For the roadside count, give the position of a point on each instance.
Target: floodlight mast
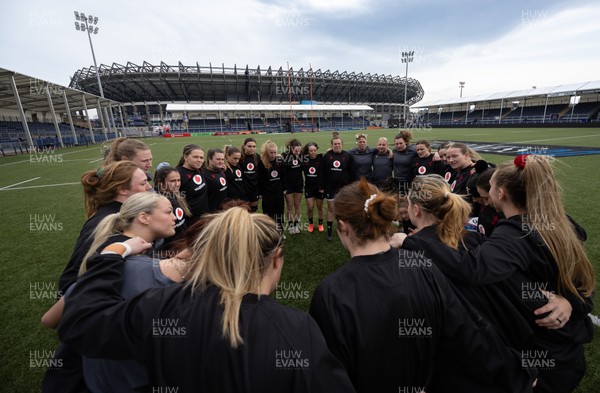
(87, 24)
(407, 57)
(461, 85)
(89, 28)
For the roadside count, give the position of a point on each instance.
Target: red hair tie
(520, 161)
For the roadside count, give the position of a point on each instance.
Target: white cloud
(544, 50)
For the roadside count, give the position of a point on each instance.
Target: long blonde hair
(143, 202)
(433, 195)
(233, 253)
(535, 189)
(264, 155)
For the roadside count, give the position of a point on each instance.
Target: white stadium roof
(263, 108)
(549, 91)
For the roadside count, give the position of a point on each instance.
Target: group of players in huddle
(170, 288)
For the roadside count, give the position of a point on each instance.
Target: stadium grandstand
(575, 104)
(150, 99)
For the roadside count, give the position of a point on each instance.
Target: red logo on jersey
(447, 176)
(222, 181)
(274, 173)
(238, 173)
(295, 162)
(336, 164)
(312, 170)
(453, 185)
(250, 166)
(179, 213)
(197, 179)
(422, 170)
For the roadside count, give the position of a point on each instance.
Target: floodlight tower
(407, 57)
(461, 85)
(88, 24)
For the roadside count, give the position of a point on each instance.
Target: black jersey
(235, 182)
(270, 178)
(193, 188)
(249, 166)
(362, 163)
(216, 188)
(178, 337)
(404, 162)
(516, 259)
(460, 177)
(390, 320)
(83, 244)
(383, 166)
(180, 218)
(447, 173)
(426, 166)
(292, 172)
(336, 171)
(487, 219)
(312, 173)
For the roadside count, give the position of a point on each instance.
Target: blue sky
(491, 45)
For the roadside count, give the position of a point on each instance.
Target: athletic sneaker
(329, 235)
(311, 228)
(298, 230)
(321, 229)
(294, 230)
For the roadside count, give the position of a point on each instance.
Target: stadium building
(149, 99)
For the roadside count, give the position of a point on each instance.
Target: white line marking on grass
(91, 162)
(16, 184)
(477, 134)
(558, 139)
(595, 319)
(12, 163)
(41, 186)
(520, 132)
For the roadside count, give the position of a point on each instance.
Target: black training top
(83, 244)
(216, 187)
(235, 182)
(426, 166)
(336, 171)
(390, 318)
(250, 172)
(178, 337)
(362, 163)
(312, 168)
(292, 171)
(193, 188)
(404, 162)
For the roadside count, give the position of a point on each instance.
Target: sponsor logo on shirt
(197, 179)
(312, 170)
(447, 176)
(250, 166)
(179, 213)
(453, 185)
(336, 164)
(422, 170)
(222, 181)
(238, 173)
(274, 174)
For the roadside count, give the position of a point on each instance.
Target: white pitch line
(41, 186)
(595, 319)
(557, 139)
(91, 162)
(16, 184)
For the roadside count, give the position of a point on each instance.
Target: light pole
(461, 85)
(87, 24)
(407, 57)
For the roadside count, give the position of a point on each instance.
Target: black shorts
(314, 194)
(295, 189)
(330, 194)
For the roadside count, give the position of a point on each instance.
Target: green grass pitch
(39, 227)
